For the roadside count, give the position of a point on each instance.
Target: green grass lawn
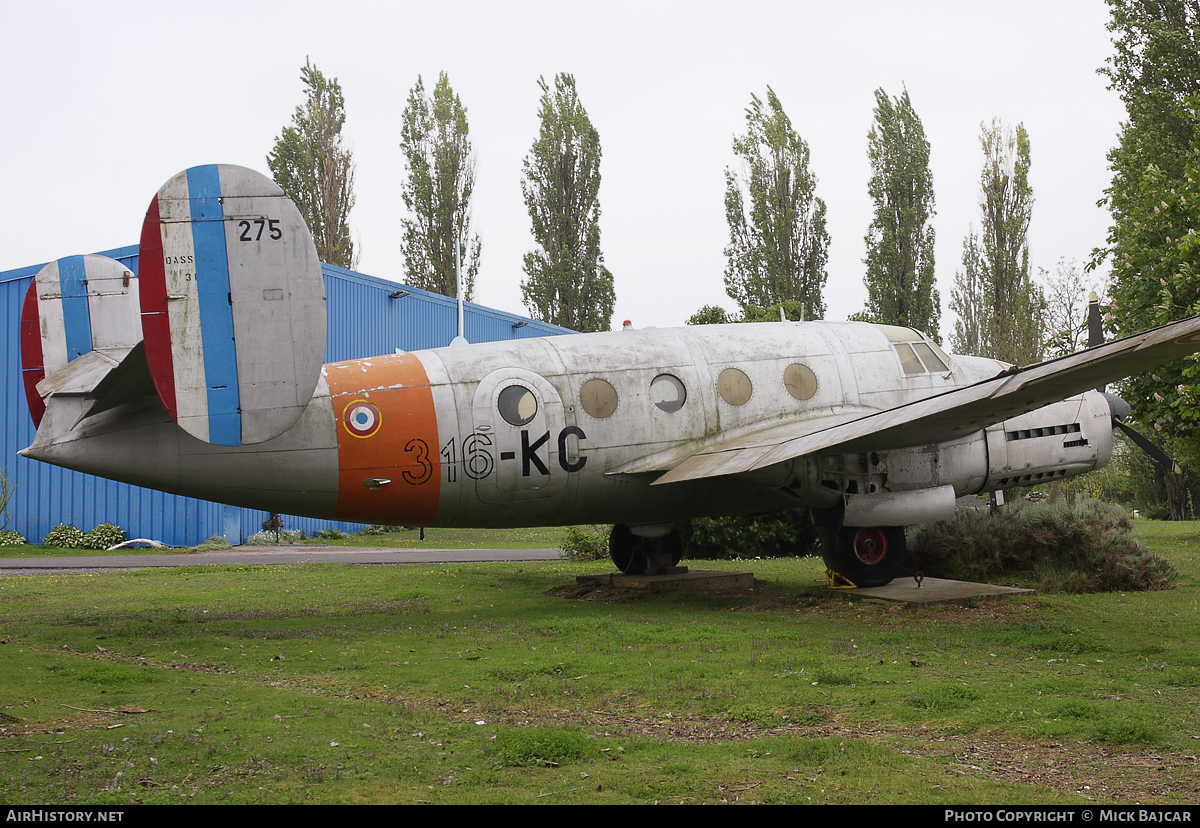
(483, 683)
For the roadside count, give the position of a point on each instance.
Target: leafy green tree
(1009, 305)
(712, 315)
(1155, 205)
(567, 283)
(967, 300)
(778, 245)
(437, 192)
(316, 170)
(900, 283)
(789, 310)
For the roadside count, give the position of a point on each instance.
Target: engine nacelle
(914, 485)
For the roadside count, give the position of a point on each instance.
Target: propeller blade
(1143, 442)
(1095, 326)
(1095, 323)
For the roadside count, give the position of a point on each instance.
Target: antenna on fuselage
(459, 339)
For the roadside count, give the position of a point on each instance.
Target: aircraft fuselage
(575, 429)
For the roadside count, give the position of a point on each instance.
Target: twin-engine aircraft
(203, 377)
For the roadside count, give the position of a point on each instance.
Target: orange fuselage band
(387, 441)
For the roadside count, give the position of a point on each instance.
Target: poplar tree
(566, 281)
(437, 192)
(899, 276)
(996, 275)
(778, 246)
(316, 170)
(967, 300)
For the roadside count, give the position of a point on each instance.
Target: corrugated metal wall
(362, 321)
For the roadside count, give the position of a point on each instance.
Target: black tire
(633, 555)
(623, 549)
(866, 556)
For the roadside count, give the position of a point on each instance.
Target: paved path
(270, 556)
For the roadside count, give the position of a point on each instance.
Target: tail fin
(233, 304)
(80, 314)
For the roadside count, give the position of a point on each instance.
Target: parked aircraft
(203, 377)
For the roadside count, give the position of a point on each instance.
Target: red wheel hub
(870, 546)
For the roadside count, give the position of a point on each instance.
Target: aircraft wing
(955, 413)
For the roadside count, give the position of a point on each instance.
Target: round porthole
(801, 382)
(598, 398)
(517, 405)
(667, 392)
(734, 386)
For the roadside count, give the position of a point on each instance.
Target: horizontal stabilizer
(78, 307)
(233, 305)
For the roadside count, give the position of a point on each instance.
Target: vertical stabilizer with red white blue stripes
(233, 305)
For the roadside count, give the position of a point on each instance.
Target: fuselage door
(518, 418)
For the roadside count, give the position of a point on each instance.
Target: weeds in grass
(546, 746)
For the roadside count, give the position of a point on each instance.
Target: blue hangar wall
(363, 321)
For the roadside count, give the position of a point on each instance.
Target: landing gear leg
(635, 555)
(866, 556)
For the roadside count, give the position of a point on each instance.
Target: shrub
(777, 535)
(10, 538)
(332, 533)
(213, 543)
(380, 529)
(64, 536)
(7, 489)
(1087, 546)
(586, 543)
(104, 536)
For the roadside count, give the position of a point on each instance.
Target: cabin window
(800, 381)
(598, 398)
(517, 405)
(734, 386)
(667, 392)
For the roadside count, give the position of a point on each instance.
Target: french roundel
(361, 418)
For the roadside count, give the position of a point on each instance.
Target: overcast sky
(103, 102)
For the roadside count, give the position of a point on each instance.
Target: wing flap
(756, 444)
(959, 412)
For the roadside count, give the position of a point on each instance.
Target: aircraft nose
(1118, 407)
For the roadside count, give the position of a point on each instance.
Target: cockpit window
(908, 359)
(918, 353)
(933, 362)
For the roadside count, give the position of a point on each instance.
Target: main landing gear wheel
(636, 555)
(866, 556)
